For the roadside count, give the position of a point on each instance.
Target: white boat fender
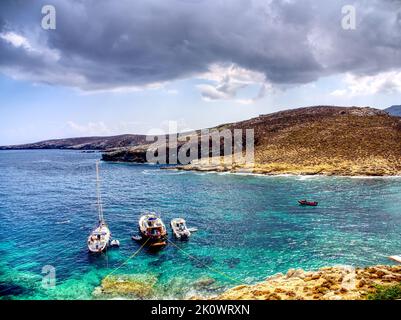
(115, 243)
(136, 237)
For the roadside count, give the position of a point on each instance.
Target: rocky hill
(314, 140)
(394, 111)
(84, 143)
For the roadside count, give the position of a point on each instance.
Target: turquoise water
(250, 227)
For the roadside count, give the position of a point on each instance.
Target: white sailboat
(99, 239)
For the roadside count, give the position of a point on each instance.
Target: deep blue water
(250, 227)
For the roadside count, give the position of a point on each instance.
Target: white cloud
(339, 93)
(210, 92)
(225, 82)
(172, 91)
(100, 128)
(16, 40)
(20, 41)
(38, 51)
(124, 89)
(385, 82)
(287, 42)
(91, 128)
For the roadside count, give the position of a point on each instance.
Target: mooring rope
(187, 254)
(204, 264)
(126, 261)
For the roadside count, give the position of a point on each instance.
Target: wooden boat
(99, 239)
(308, 203)
(180, 229)
(152, 230)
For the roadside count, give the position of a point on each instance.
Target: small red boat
(308, 203)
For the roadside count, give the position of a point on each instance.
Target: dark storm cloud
(108, 44)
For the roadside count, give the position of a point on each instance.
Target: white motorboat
(180, 229)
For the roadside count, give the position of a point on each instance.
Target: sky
(115, 67)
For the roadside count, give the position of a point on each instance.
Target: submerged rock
(232, 262)
(203, 283)
(12, 290)
(137, 286)
(202, 261)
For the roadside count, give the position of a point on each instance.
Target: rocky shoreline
(318, 140)
(329, 283)
(377, 168)
(301, 172)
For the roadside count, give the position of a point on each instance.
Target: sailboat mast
(99, 199)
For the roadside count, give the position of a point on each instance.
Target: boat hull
(99, 239)
(180, 233)
(153, 241)
(152, 230)
(308, 203)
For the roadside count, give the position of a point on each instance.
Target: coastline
(328, 283)
(277, 171)
(222, 170)
(294, 175)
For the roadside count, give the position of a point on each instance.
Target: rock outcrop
(323, 140)
(320, 140)
(331, 283)
(130, 286)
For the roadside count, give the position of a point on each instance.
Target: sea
(249, 227)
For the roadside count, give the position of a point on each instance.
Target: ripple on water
(249, 226)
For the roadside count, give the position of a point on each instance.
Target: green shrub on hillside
(386, 293)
